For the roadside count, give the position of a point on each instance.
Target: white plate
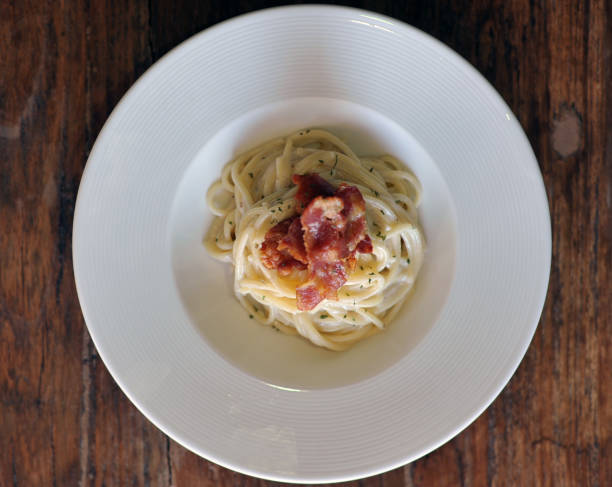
(161, 312)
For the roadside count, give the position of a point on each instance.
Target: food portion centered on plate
(324, 244)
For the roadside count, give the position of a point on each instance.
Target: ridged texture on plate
(121, 241)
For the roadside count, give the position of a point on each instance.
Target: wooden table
(63, 67)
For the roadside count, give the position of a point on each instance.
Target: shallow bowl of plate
(162, 314)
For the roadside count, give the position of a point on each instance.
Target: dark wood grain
(64, 66)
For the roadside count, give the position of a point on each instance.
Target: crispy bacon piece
(270, 255)
(354, 213)
(324, 281)
(365, 246)
(282, 249)
(325, 238)
(288, 265)
(293, 241)
(323, 224)
(309, 187)
(308, 296)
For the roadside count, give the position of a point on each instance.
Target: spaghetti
(255, 194)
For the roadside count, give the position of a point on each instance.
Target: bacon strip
(323, 224)
(283, 247)
(365, 246)
(309, 187)
(354, 213)
(293, 242)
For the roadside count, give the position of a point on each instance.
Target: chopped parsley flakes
(331, 173)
